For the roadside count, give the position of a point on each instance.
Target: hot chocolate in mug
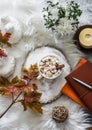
(50, 67)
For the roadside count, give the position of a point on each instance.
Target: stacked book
(76, 91)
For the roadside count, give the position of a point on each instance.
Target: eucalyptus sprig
(62, 17)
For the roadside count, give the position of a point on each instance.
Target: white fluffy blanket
(29, 14)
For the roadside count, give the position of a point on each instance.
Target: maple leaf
(29, 88)
(18, 83)
(30, 95)
(22, 101)
(4, 81)
(4, 38)
(31, 73)
(7, 87)
(2, 53)
(35, 95)
(31, 100)
(36, 107)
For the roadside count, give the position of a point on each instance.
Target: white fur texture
(28, 13)
(12, 26)
(7, 70)
(16, 119)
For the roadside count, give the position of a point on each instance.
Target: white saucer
(50, 89)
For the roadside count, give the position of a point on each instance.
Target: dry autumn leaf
(4, 38)
(32, 101)
(31, 73)
(36, 107)
(29, 88)
(35, 95)
(7, 87)
(18, 83)
(2, 53)
(30, 95)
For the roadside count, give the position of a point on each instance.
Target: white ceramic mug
(51, 66)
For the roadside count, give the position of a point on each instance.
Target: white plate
(50, 89)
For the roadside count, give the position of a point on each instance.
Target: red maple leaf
(2, 53)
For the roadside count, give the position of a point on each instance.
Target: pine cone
(59, 114)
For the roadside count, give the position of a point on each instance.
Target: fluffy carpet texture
(29, 14)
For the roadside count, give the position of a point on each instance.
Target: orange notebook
(83, 73)
(68, 91)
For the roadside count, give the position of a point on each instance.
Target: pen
(83, 83)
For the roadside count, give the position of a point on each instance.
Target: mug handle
(39, 77)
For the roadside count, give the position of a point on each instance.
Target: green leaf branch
(58, 16)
